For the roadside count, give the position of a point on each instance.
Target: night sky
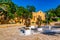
(43, 5)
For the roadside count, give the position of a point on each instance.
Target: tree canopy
(53, 13)
(10, 9)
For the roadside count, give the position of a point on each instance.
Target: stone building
(36, 15)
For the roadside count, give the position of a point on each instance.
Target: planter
(32, 27)
(40, 29)
(27, 32)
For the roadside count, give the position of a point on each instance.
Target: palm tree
(31, 9)
(28, 15)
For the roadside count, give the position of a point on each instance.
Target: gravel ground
(13, 33)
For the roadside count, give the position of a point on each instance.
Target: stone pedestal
(40, 29)
(27, 32)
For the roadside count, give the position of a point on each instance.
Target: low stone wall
(15, 25)
(54, 23)
(11, 25)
